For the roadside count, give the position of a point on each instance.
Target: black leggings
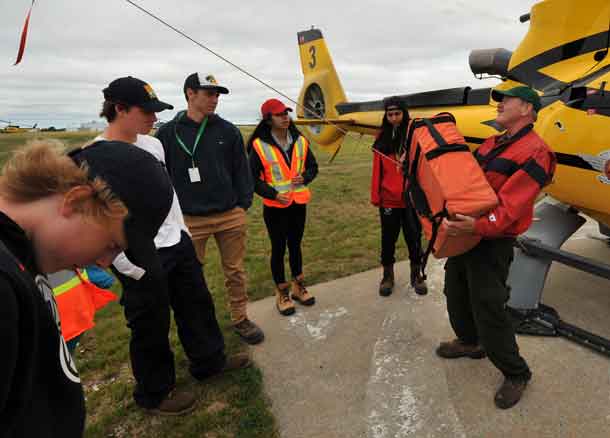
(392, 220)
(285, 226)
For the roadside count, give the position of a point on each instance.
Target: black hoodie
(40, 391)
(221, 158)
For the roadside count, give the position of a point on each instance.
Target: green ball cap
(522, 92)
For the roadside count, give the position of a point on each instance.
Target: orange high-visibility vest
(77, 301)
(277, 174)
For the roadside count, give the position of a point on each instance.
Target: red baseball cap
(274, 107)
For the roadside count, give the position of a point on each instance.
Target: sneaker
(177, 402)
(300, 294)
(456, 348)
(510, 393)
(249, 332)
(283, 303)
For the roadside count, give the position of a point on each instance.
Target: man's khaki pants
(229, 230)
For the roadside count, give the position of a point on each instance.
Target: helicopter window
(575, 97)
(594, 100)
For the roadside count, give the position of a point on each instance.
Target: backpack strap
(436, 220)
(443, 147)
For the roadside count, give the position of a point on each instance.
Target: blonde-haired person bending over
(56, 212)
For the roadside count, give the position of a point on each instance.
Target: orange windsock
(24, 35)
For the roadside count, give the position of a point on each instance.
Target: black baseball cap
(198, 81)
(394, 102)
(139, 180)
(133, 91)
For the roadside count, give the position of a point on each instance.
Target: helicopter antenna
(600, 55)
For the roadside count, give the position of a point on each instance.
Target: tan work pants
(229, 229)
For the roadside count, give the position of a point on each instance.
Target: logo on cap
(150, 91)
(210, 79)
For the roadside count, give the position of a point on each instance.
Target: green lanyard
(199, 133)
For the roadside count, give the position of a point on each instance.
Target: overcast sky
(384, 47)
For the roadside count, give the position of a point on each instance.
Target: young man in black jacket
(206, 159)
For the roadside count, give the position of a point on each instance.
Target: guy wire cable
(218, 55)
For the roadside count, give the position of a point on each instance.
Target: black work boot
(387, 282)
(417, 280)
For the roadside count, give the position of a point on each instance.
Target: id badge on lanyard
(193, 171)
(194, 175)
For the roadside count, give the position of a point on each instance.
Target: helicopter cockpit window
(593, 100)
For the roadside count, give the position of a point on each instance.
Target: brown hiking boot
(417, 280)
(177, 402)
(237, 362)
(510, 392)
(456, 348)
(249, 332)
(387, 282)
(283, 303)
(300, 294)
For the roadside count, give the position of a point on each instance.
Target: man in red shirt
(517, 164)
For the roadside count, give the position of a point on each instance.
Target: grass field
(341, 238)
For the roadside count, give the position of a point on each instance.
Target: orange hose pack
(444, 178)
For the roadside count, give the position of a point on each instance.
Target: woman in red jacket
(387, 184)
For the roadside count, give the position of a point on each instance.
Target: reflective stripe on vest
(276, 171)
(279, 176)
(299, 154)
(63, 281)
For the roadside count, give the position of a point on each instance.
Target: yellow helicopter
(15, 129)
(564, 56)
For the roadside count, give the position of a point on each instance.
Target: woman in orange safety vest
(282, 167)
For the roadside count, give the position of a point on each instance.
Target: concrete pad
(360, 365)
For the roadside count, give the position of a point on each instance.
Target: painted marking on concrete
(394, 408)
(317, 329)
(406, 395)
